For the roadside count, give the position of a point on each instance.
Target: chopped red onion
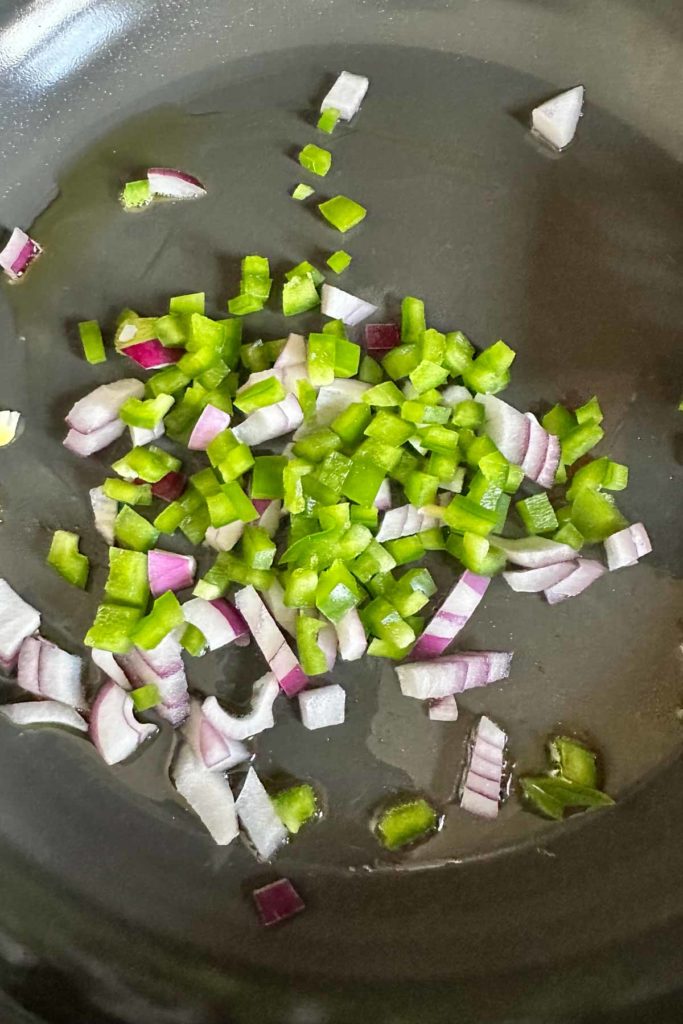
(483, 776)
(215, 751)
(626, 546)
(452, 616)
(257, 719)
(48, 671)
(346, 95)
(587, 571)
(163, 666)
(217, 620)
(225, 537)
(208, 794)
(44, 712)
(381, 338)
(443, 709)
(341, 305)
(104, 510)
(546, 478)
(102, 405)
(167, 570)
(18, 254)
(322, 707)
(532, 581)
(258, 817)
(454, 394)
(272, 643)
(113, 727)
(18, 620)
(327, 642)
(557, 119)
(534, 552)
(439, 677)
(537, 448)
(96, 440)
(403, 521)
(383, 498)
(269, 518)
(170, 487)
(140, 436)
(269, 422)
(108, 664)
(277, 902)
(284, 616)
(151, 354)
(294, 352)
(173, 184)
(507, 427)
(351, 636)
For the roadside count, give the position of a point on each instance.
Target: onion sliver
(44, 712)
(113, 727)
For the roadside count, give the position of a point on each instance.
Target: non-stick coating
(114, 905)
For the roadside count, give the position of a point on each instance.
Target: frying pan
(114, 904)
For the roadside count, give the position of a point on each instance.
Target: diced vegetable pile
(323, 473)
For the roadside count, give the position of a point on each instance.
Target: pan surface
(114, 905)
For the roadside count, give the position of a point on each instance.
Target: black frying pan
(114, 905)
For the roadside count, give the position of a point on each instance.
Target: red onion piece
(257, 719)
(174, 184)
(269, 422)
(113, 727)
(163, 666)
(102, 405)
(270, 640)
(534, 552)
(107, 663)
(104, 510)
(294, 352)
(322, 707)
(532, 581)
(443, 709)
(587, 571)
(211, 422)
(483, 775)
(626, 546)
(151, 354)
(341, 305)
(258, 817)
(96, 440)
(18, 620)
(381, 338)
(403, 521)
(167, 570)
(220, 623)
(44, 712)
(140, 436)
(383, 498)
(18, 254)
(508, 428)
(225, 537)
(351, 636)
(215, 751)
(546, 478)
(269, 519)
(452, 616)
(454, 394)
(170, 487)
(327, 642)
(208, 794)
(537, 448)
(439, 677)
(284, 616)
(346, 95)
(277, 902)
(48, 671)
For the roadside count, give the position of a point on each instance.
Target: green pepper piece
(311, 656)
(166, 614)
(405, 549)
(65, 557)
(401, 360)
(91, 339)
(337, 592)
(382, 620)
(127, 582)
(574, 761)
(420, 488)
(297, 804)
(405, 823)
(554, 796)
(112, 628)
(300, 588)
(362, 481)
(342, 213)
(266, 477)
(350, 424)
(145, 697)
(320, 361)
(317, 445)
(259, 395)
(413, 323)
(132, 531)
(595, 515)
(537, 514)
